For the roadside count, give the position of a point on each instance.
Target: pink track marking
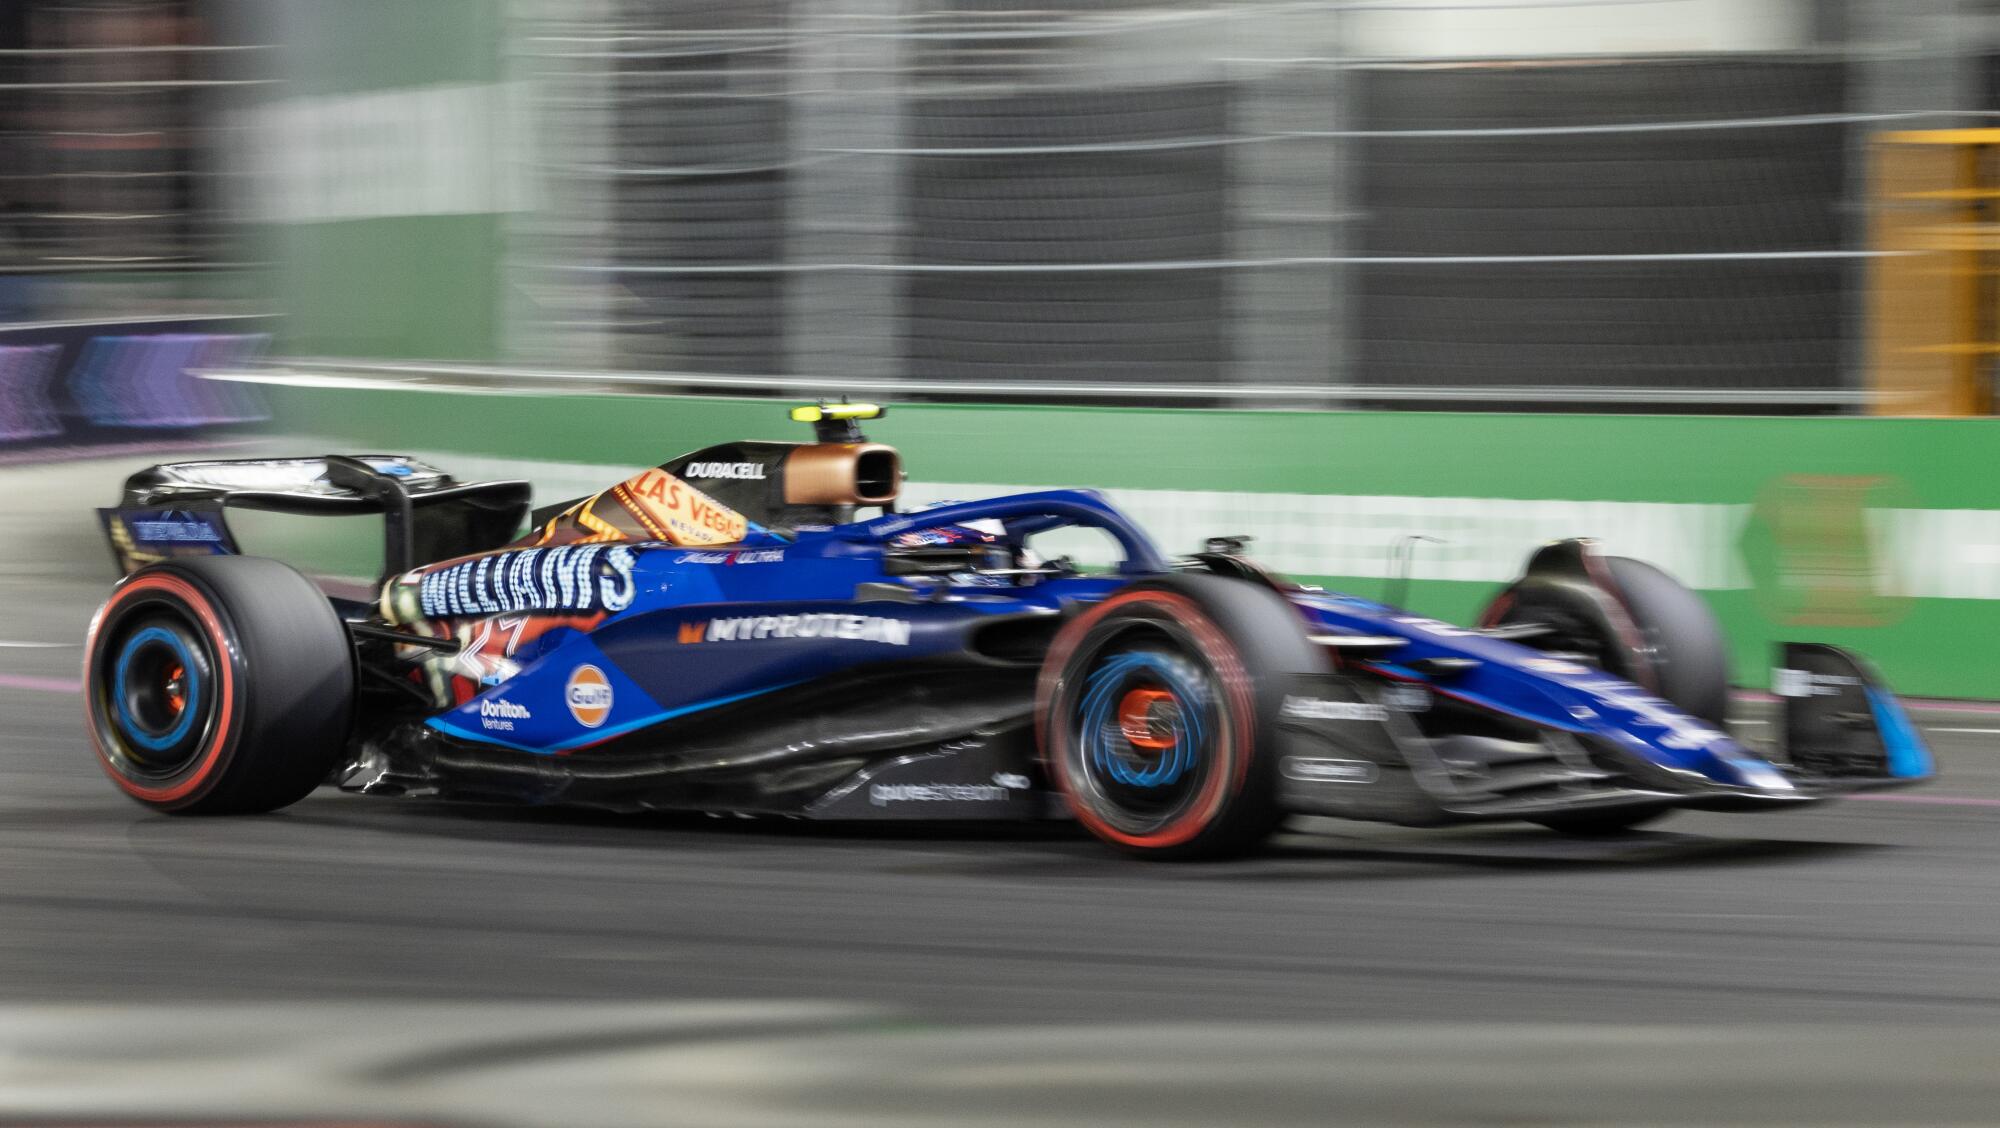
(39, 685)
(1928, 800)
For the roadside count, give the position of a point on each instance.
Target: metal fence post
(1288, 326)
(846, 205)
(555, 60)
(1904, 57)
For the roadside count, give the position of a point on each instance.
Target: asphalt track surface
(1848, 916)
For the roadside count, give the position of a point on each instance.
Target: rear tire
(1154, 707)
(218, 685)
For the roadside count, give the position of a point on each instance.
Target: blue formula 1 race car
(727, 633)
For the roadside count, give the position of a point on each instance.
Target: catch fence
(1181, 201)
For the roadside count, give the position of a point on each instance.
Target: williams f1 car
(756, 628)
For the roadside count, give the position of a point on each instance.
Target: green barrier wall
(389, 141)
(1879, 534)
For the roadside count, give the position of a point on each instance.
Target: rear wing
(178, 508)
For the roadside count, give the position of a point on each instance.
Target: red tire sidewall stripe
(1497, 608)
(222, 738)
(1623, 622)
(1221, 656)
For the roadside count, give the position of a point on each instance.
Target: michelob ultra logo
(588, 696)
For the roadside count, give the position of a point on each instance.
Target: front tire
(218, 685)
(1635, 622)
(1154, 708)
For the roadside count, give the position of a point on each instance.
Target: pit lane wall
(1878, 534)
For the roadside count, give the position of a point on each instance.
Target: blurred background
(1717, 281)
(1694, 204)
(1717, 277)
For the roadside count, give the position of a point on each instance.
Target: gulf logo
(588, 696)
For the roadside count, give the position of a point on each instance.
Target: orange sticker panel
(677, 512)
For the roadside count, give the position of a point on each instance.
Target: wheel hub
(1149, 719)
(154, 687)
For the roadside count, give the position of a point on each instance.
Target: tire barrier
(145, 382)
(27, 392)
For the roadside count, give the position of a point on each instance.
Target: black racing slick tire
(1656, 633)
(1691, 653)
(218, 685)
(1155, 710)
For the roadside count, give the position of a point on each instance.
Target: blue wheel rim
(130, 725)
(1149, 781)
(1108, 752)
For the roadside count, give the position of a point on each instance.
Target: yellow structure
(1934, 285)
